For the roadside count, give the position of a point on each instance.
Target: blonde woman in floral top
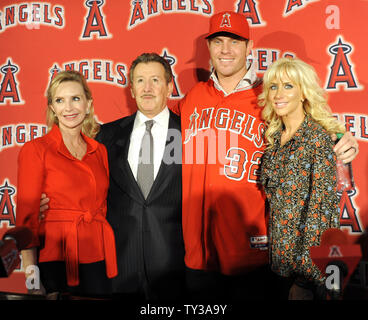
(298, 171)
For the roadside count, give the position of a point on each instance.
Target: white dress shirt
(249, 81)
(159, 134)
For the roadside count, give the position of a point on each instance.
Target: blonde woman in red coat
(73, 246)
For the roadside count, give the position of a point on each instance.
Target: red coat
(75, 229)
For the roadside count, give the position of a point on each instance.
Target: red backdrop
(100, 38)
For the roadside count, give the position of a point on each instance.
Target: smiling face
(286, 97)
(70, 105)
(229, 56)
(149, 88)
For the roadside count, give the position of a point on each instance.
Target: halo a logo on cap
(225, 22)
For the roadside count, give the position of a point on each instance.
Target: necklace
(78, 152)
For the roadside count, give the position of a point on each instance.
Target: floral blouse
(299, 179)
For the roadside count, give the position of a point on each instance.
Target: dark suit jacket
(148, 233)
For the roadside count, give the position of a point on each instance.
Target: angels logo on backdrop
(142, 10)
(172, 61)
(356, 123)
(94, 24)
(291, 6)
(349, 215)
(32, 15)
(349, 212)
(7, 212)
(249, 9)
(96, 70)
(335, 252)
(9, 91)
(54, 71)
(341, 70)
(264, 57)
(12, 135)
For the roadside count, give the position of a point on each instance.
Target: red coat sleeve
(29, 188)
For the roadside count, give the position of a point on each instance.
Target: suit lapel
(120, 170)
(172, 156)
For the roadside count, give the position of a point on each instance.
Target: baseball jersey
(224, 215)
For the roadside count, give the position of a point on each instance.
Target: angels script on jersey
(229, 138)
(222, 120)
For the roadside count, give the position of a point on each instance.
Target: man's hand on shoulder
(43, 205)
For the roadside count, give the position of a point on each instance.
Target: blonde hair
(89, 127)
(315, 104)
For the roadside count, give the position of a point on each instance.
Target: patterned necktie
(145, 162)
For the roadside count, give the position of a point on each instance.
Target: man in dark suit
(147, 224)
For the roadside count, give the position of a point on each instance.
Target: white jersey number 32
(238, 159)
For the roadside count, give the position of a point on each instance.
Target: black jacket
(148, 233)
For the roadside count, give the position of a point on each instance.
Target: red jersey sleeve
(177, 107)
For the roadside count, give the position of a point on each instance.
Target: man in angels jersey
(224, 211)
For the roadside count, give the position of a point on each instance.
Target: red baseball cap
(230, 22)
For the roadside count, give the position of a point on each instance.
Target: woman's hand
(347, 148)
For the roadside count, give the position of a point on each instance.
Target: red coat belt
(71, 241)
